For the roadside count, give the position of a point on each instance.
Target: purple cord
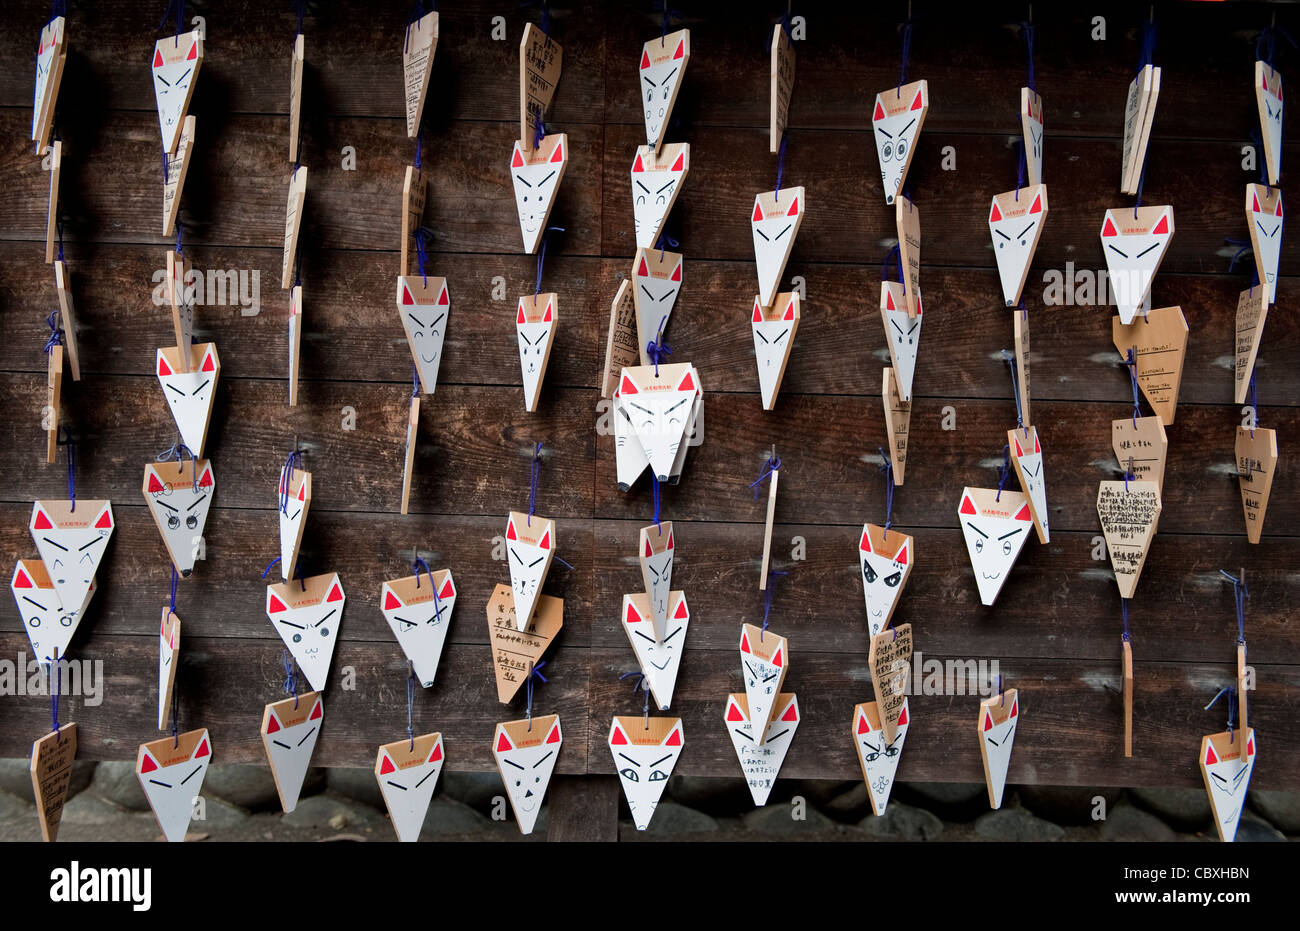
(888, 468)
(1004, 471)
(769, 468)
(541, 254)
(1123, 610)
(290, 679)
(1015, 386)
(767, 599)
(1239, 595)
(1131, 362)
(780, 167)
(532, 483)
(54, 696)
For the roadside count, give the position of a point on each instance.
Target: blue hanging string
(907, 50)
(1232, 706)
(893, 255)
(1123, 610)
(539, 130)
(1028, 30)
(176, 727)
(780, 166)
(1021, 166)
(410, 703)
(301, 5)
(294, 461)
(1148, 48)
(1266, 44)
(641, 683)
(1239, 595)
(533, 671)
(415, 381)
(166, 167)
(1004, 471)
(666, 20)
(541, 254)
(657, 349)
(534, 476)
(1254, 404)
(887, 466)
(56, 332)
(1244, 249)
(58, 226)
(1015, 388)
(180, 249)
(172, 606)
(290, 679)
(769, 467)
(1002, 691)
(179, 7)
(546, 14)
(54, 696)
(772, 575)
(269, 566)
(178, 451)
(665, 238)
(654, 487)
(563, 563)
(422, 237)
(413, 19)
(66, 440)
(1142, 180)
(418, 564)
(1130, 362)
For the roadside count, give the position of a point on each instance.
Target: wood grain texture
(583, 809)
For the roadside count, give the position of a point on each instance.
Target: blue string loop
(657, 349)
(887, 467)
(1232, 705)
(1027, 29)
(286, 477)
(300, 6)
(66, 440)
(533, 671)
(907, 49)
(1123, 610)
(546, 14)
(1004, 471)
(422, 237)
(177, 452)
(769, 467)
(780, 167)
(666, 20)
(772, 575)
(654, 486)
(895, 256)
(410, 703)
(1239, 595)
(541, 254)
(56, 332)
(1130, 361)
(172, 605)
(1015, 388)
(1266, 44)
(534, 476)
(665, 238)
(179, 7)
(290, 678)
(416, 565)
(54, 696)
(415, 381)
(1148, 48)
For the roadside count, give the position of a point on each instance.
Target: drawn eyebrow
(547, 178)
(292, 624)
(200, 387)
(904, 130)
(639, 634)
(881, 129)
(897, 327)
(159, 76)
(1218, 777)
(182, 77)
(402, 619)
(669, 75)
(325, 618)
(191, 775)
(630, 760)
(761, 233)
(1025, 230)
(426, 776)
(1003, 235)
(167, 506)
(912, 328)
(977, 530)
(661, 759)
(90, 544)
(743, 734)
(642, 186)
(1110, 246)
(516, 555)
(1011, 534)
(1146, 250)
(165, 785)
(672, 635)
(195, 504)
(536, 561)
(52, 543)
(677, 405)
(870, 746)
(759, 334)
(398, 785)
(280, 743)
(519, 177)
(778, 734)
(416, 319)
(784, 231)
(37, 603)
(646, 78)
(647, 292)
(512, 763)
(640, 408)
(782, 335)
(543, 759)
(305, 736)
(177, 390)
(437, 318)
(666, 186)
(525, 338)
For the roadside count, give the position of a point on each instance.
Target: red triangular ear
(758, 312)
(636, 165)
(744, 643)
(336, 593)
(155, 485)
(916, 101)
(644, 270)
(1109, 229)
(904, 554)
(391, 601)
(680, 163)
(889, 300)
(194, 52)
(436, 755)
(681, 613)
(518, 160)
(1250, 746)
(632, 616)
(147, 763)
(274, 605)
(22, 579)
(510, 531)
(1038, 205)
(967, 505)
(1024, 514)
(1210, 758)
(864, 726)
(1015, 707)
(42, 521)
(794, 208)
(648, 551)
(448, 590)
(645, 59)
(546, 541)
(758, 211)
(733, 711)
(687, 383)
(996, 214)
(272, 723)
(988, 720)
(209, 363)
(157, 58)
(677, 272)
(681, 50)
(674, 739)
(387, 766)
(1162, 228)
(302, 491)
(1278, 211)
(163, 367)
(627, 387)
(776, 658)
(105, 521)
(1019, 452)
(205, 480)
(670, 540)
(315, 712)
(503, 742)
(880, 112)
(789, 310)
(1037, 447)
(865, 543)
(791, 713)
(520, 317)
(554, 736)
(618, 737)
(902, 716)
(203, 749)
(443, 299)
(1255, 198)
(548, 316)
(407, 300)
(558, 154)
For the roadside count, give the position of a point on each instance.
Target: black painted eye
(893, 580)
(173, 521)
(629, 774)
(902, 149)
(658, 776)
(297, 638)
(66, 620)
(979, 546)
(868, 573)
(324, 631)
(888, 150)
(191, 522)
(1006, 548)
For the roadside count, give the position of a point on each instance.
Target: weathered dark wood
(583, 808)
(829, 450)
(1071, 732)
(1058, 601)
(225, 682)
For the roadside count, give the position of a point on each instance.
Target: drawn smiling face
(536, 177)
(896, 119)
(171, 774)
(526, 753)
(424, 304)
(659, 410)
(662, 64)
(175, 64)
(659, 659)
(418, 620)
(71, 544)
(886, 560)
(645, 752)
(654, 188)
(1227, 777)
(995, 528)
(308, 621)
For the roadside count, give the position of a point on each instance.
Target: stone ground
(106, 804)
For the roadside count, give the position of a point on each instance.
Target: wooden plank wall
(1055, 630)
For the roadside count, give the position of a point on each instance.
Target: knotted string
(422, 237)
(172, 605)
(668, 16)
(893, 255)
(290, 678)
(178, 451)
(66, 440)
(767, 599)
(769, 468)
(1123, 610)
(532, 671)
(179, 6)
(416, 565)
(780, 167)
(410, 703)
(641, 683)
(1239, 595)
(534, 476)
(658, 350)
(665, 238)
(541, 254)
(1015, 388)
(56, 332)
(1130, 362)
(654, 487)
(286, 476)
(415, 381)
(1232, 706)
(888, 468)
(907, 49)
(54, 696)
(413, 19)
(1004, 471)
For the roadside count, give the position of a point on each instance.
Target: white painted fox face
(659, 410)
(659, 659)
(290, 729)
(526, 758)
(629, 457)
(50, 45)
(190, 394)
(657, 279)
(534, 326)
(655, 184)
(1032, 104)
(886, 561)
(1015, 223)
(308, 622)
(879, 757)
(169, 642)
(171, 772)
(995, 532)
(997, 734)
(1134, 247)
(180, 509)
(775, 223)
(761, 761)
(1266, 236)
(292, 517)
(764, 660)
(896, 121)
(903, 332)
(657, 571)
(176, 63)
(536, 176)
(644, 757)
(530, 547)
(1227, 777)
(424, 309)
(774, 331)
(71, 544)
(407, 777)
(1028, 455)
(49, 626)
(1269, 97)
(418, 619)
(662, 64)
